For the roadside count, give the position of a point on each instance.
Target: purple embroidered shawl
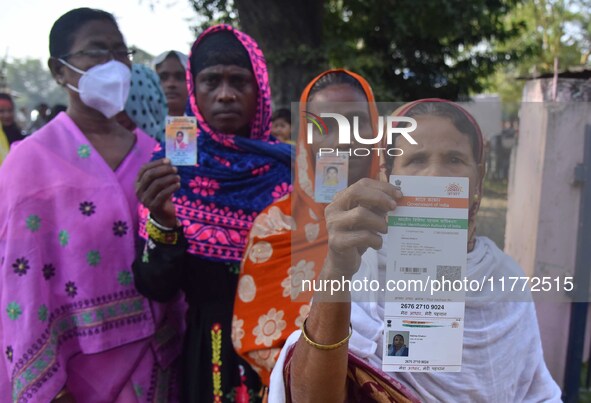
(67, 229)
(236, 177)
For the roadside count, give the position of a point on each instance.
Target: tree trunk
(290, 35)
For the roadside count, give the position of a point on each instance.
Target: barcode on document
(413, 270)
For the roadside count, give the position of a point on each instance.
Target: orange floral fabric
(287, 244)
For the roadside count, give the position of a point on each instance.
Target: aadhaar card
(426, 267)
(181, 140)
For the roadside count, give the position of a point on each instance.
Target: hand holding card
(157, 181)
(181, 140)
(355, 220)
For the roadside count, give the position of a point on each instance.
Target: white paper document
(427, 253)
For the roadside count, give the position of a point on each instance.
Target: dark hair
(335, 78)
(282, 113)
(7, 97)
(401, 336)
(61, 36)
(332, 168)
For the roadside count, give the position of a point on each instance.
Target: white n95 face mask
(104, 87)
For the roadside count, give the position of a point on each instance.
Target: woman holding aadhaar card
(338, 354)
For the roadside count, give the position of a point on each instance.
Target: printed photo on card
(332, 175)
(421, 337)
(181, 140)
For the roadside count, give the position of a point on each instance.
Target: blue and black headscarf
(236, 177)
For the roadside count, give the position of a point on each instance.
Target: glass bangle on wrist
(161, 234)
(160, 226)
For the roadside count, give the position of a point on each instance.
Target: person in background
(11, 129)
(146, 104)
(281, 125)
(73, 326)
(196, 218)
(171, 68)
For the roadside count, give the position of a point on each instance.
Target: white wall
(543, 203)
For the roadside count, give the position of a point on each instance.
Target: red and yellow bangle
(160, 233)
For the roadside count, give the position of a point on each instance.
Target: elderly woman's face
(442, 150)
(227, 98)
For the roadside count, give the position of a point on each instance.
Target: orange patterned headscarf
(287, 244)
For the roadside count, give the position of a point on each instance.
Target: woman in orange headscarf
(288, 240)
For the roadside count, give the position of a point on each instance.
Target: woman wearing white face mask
(73, 326)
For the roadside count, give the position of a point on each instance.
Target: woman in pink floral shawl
(72, 325)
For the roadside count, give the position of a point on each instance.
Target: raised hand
(156, 183)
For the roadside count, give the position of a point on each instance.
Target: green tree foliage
(555, 30)
(32, 83)
(411, 49)
(406, 49)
